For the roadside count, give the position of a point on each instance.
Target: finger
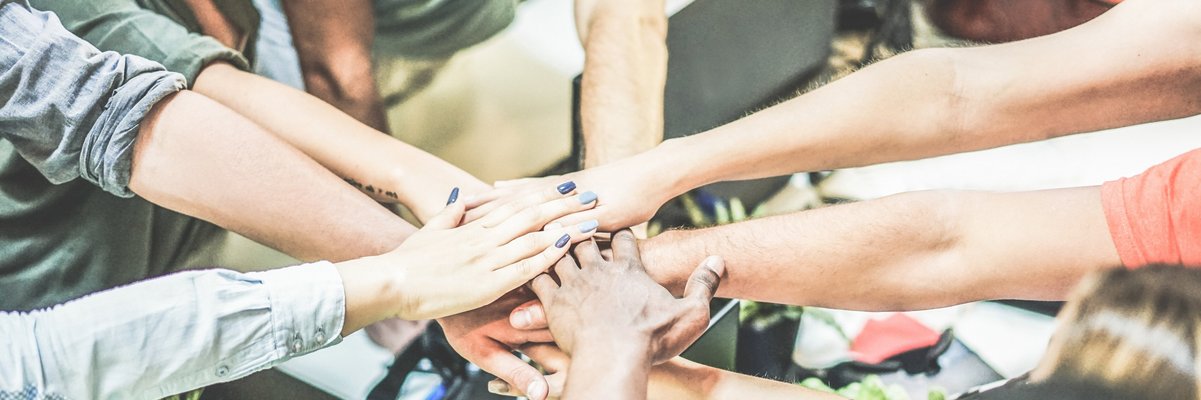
(567, 270)
(511, 208)
(530, 315)
(544, 287)
(588, 254)
(703, 283)
(549, 356)
(624, 244)
(536, 217)
(514, 372)
(448, 218)
(515, 182)
(534, 242)
(523, 271)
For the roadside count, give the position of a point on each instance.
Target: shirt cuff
(107, 153)
(308, 304)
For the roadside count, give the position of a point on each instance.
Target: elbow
(340, 79)
(953, 98)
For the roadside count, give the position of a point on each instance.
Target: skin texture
(381, 166)
(643, 323)
(446, 269)
(929, 102)
(199, 158)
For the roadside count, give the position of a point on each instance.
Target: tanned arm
(911, 251)
(333, 40)
(379, 165)
(625, 70)
(197, 157)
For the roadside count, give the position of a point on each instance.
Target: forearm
(385, 168)
(621, 99)
(940, 101)
(199, 158)
(682, 379)
(912, 251)
(333, 40)
(600, 371)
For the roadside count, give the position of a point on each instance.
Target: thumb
(517, 374)
(450, 217)
(702, 285)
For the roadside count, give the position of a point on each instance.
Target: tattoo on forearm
(371, 189)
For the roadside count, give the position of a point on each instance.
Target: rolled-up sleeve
(68, 109)
(171, 334)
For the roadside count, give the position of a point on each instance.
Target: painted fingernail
(588, 226)
(587, 197)
(566, 187)
(536, 390)
(498, 387)
(563, 241)
(454, 196)
(522, 319)
(553, 226)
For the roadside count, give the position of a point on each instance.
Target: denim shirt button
(222, 371)
(296, 344)
(320, 336)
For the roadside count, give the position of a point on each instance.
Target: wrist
(626, 348)
(675, 165)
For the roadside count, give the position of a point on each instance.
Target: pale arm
(911, 251)
(1117, 70)
(333, 41)
(200, 158)
(383, 167)
(625, 69)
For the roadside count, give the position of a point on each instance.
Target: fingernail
(566, 187)
(588, 226)
(563, 241)
(536, 390)
(498, 387)
(587, 197)
(454, 196)
(522, 319)
(713, 264)
(552, 226)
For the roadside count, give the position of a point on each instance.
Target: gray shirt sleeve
(69, 109)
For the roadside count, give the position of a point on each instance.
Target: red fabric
(881, 339)
(1155, 217)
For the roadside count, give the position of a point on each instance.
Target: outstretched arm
(625, 69)
(905, 252)
(381, 166)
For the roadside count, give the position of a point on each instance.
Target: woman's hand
(614, 302)
(446, 269)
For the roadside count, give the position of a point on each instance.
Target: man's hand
(484, 337)
(610, 301)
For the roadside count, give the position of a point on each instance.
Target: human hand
(445, 269)
(630, 194)
(606, 302)
(485, 337)
(551, 359)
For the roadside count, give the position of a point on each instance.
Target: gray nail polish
(587, 197)
(588, 226)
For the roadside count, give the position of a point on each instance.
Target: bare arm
(333, 40)
(911, 251)
(1137, 63)
(200, 158)
(625, 69)
(383, 167)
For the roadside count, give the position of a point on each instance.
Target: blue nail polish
(566, 187)
(454, 196)
(563, 241)
(587, 197)
(588, 226)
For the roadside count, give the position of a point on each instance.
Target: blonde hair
(1132, 329)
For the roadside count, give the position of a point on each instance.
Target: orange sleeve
(1155, 217)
